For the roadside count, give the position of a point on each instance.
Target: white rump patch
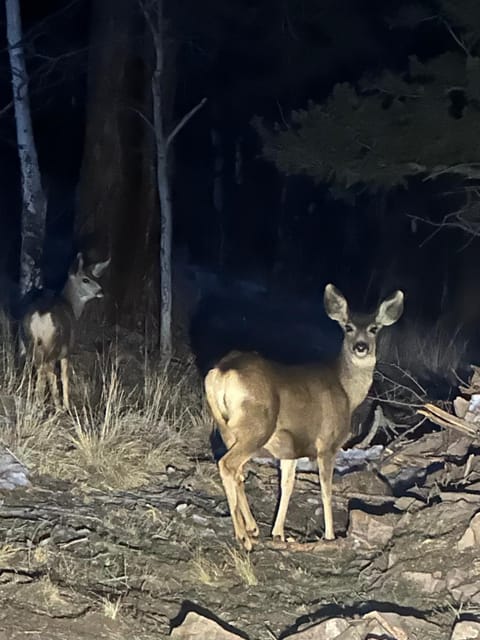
(42, 330)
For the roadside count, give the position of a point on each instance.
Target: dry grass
(243, 566)
(111, 608)
(213, 567)
(205, 570)
(7, 553)
(119, 434)
(50, 592)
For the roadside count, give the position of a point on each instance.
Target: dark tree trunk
(118, 211)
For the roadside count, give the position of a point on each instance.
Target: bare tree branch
(148, 122)
(460, 42)
(184, 121)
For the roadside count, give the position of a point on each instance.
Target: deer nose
(361, 348)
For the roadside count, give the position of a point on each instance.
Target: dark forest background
(339, 142)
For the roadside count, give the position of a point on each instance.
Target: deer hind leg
(326, 462)
(287, 482)
(250, 522)
(230, 468)
(52, 383)
(243, 506)
(64, 376)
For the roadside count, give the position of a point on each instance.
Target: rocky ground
(161, 560)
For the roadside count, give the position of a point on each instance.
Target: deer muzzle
(361, 349)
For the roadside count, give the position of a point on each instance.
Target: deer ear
(99, 267)
(390, 310)
(77, 264)
(335, 304)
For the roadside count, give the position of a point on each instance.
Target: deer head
(361, 330)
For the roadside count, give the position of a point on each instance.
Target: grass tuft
(243, 566)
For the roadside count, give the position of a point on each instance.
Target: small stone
(200, 519)
(182, 507)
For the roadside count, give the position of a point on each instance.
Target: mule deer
(49, 325)
(293, 411)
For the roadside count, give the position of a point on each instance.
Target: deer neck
(71, 297)
(356, 378)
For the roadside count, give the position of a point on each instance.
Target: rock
(327, 630)
(473, 412)
(12, 472)
(460, 406)
(182, 507)
(200, 519)
(408, 503)
(402, 627)
(463, 584)
(427, 582)
(471, 537)
(400, 478)
(370, 530)
(197, 627)
(459, 447)
(372, 625)
(466, 630)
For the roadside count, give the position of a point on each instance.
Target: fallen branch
(447, 420)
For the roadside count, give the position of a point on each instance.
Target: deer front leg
(287, 481)
(326, 461)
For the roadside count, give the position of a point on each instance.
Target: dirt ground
(118, 564)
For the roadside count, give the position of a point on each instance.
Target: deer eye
(349, 328)
(85, 280)
(373, 330)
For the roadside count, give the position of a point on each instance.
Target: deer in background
(48, 327)
(293, 411)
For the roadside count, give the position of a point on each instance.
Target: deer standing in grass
(48, 327)
(293, 411)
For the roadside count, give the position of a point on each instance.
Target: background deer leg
(287, 481)
(52, 383)
(64, 376)
(326, 461)
(40, 384)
